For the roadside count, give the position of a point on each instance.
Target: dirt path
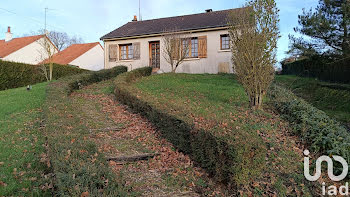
(169, 174)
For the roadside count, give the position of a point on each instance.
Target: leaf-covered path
(119, 132)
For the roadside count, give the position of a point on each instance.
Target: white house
(88, 56)
(140, 44)
(29, 50)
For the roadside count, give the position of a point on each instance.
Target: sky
(91, 19)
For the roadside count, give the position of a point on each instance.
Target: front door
(154, 49)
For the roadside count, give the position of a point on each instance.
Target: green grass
(332, 98)
(218, 105)
(77, 163)
(21, 141)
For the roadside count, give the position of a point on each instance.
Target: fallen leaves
(3, 184)
(84, 194)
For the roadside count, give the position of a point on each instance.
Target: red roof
(72, 52)
(6, 48)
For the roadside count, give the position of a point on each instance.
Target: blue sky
(91, 19)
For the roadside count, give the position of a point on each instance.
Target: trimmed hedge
(320, 68)
(14, 75)
(76, 162)
(224, 157)
(324, 134)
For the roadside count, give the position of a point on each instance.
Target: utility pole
(45, 20)
(140, 18)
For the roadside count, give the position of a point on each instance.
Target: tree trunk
(51, 68)
(255, 101)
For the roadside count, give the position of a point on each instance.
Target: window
(126, 52)
(225, 42)
(185, 45)
(192, 47)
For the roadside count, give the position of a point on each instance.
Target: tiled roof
(6, 48)
(178, 23)
(72, 52)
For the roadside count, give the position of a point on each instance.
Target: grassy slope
(20, 141)
(221, 100)
(335, 102)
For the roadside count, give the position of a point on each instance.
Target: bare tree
(47, 52)
(60, 39)
(254, 33)
(176, 48)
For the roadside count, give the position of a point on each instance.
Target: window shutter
(136, 47)
(113, 52)
(202, 46)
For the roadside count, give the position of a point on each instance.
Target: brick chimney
(135, 18)
(8, 34)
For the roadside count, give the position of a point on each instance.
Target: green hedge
(14, 75)
(78, 173)
(221, 156)
(324, 134)
(321, 68)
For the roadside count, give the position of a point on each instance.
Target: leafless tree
(175, 48)
(61, 39)
(254, 33)
(47, 52)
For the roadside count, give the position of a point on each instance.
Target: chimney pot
(208, 10)
(8, 34)
(135, 18)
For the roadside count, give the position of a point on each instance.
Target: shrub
(223, 156)
(14, 75)
(76, 162)
(321, 68)
(138, 73)
(322, 133)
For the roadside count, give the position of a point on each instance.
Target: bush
(322, 133)
(138, 73)
(76, 162)
(321, 68)
(223, 156)
(14, 75)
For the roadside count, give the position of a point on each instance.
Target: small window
(126, 52)
(225, 42)
(194, 47)
(185, 45)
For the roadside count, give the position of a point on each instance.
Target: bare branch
(175, 48)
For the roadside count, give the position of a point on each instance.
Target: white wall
(33, 53)
(215, 56)
(93, 59)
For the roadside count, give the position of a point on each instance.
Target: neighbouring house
(88, 56)
(29, 49)
(139, 43)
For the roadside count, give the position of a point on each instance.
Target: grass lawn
(334, 99)
(219, 105)
(21, 141)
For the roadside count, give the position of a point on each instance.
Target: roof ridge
(186, 15)
(27, 36)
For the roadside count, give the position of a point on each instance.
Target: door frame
(150, 53)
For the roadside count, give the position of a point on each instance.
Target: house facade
(29, 50)
(140, 43)
(89, 56)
